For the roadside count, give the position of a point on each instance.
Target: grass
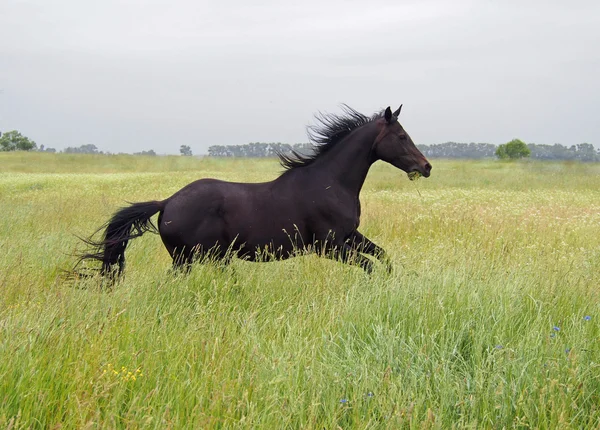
(490, 319)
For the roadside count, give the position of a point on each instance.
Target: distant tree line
(92, 149)
(516, 149)
(257, 149)
(458, 150)
(150, 152)
(83, 149)
(580, 152)
(15, 141)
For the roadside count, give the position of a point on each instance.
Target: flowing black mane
(332, 129)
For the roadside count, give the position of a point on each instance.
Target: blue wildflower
(555, 328)
(587, 317)
(567, 350)
(499, 347)
(344, 401)
(370, 394)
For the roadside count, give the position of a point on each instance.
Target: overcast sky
(133, 75)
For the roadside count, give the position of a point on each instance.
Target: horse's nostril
(427, 167)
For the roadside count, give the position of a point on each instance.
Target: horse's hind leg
(182, 261)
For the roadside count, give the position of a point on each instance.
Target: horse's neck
(349, 161)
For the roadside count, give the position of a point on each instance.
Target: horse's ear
(388, 115)
(397, 113)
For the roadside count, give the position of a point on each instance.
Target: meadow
(490, 318)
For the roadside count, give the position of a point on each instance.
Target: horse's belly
(271, 235)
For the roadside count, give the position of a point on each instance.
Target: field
(489, 320)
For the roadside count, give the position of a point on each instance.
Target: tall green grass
(489, 320)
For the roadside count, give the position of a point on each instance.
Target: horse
(313, 206)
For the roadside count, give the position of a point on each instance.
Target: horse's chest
(349, 219)
(339, 213)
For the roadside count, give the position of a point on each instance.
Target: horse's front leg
(360, 243)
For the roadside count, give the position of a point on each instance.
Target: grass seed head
(413, 176)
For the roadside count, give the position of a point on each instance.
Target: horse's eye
(403, 137)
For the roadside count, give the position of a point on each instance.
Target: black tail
(126, 224)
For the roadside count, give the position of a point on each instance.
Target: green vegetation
(185, 150)
(15, 141)
(490, 320)
(513, 150)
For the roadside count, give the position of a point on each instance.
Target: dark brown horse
(313, 206)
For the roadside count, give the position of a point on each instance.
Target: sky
(133, 75)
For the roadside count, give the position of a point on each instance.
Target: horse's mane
(330, 130)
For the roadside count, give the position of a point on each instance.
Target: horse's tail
(126, 224)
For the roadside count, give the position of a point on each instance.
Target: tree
(513, 150)
(185, 150)
(15, 141)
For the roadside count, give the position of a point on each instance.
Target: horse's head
(395, 146)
